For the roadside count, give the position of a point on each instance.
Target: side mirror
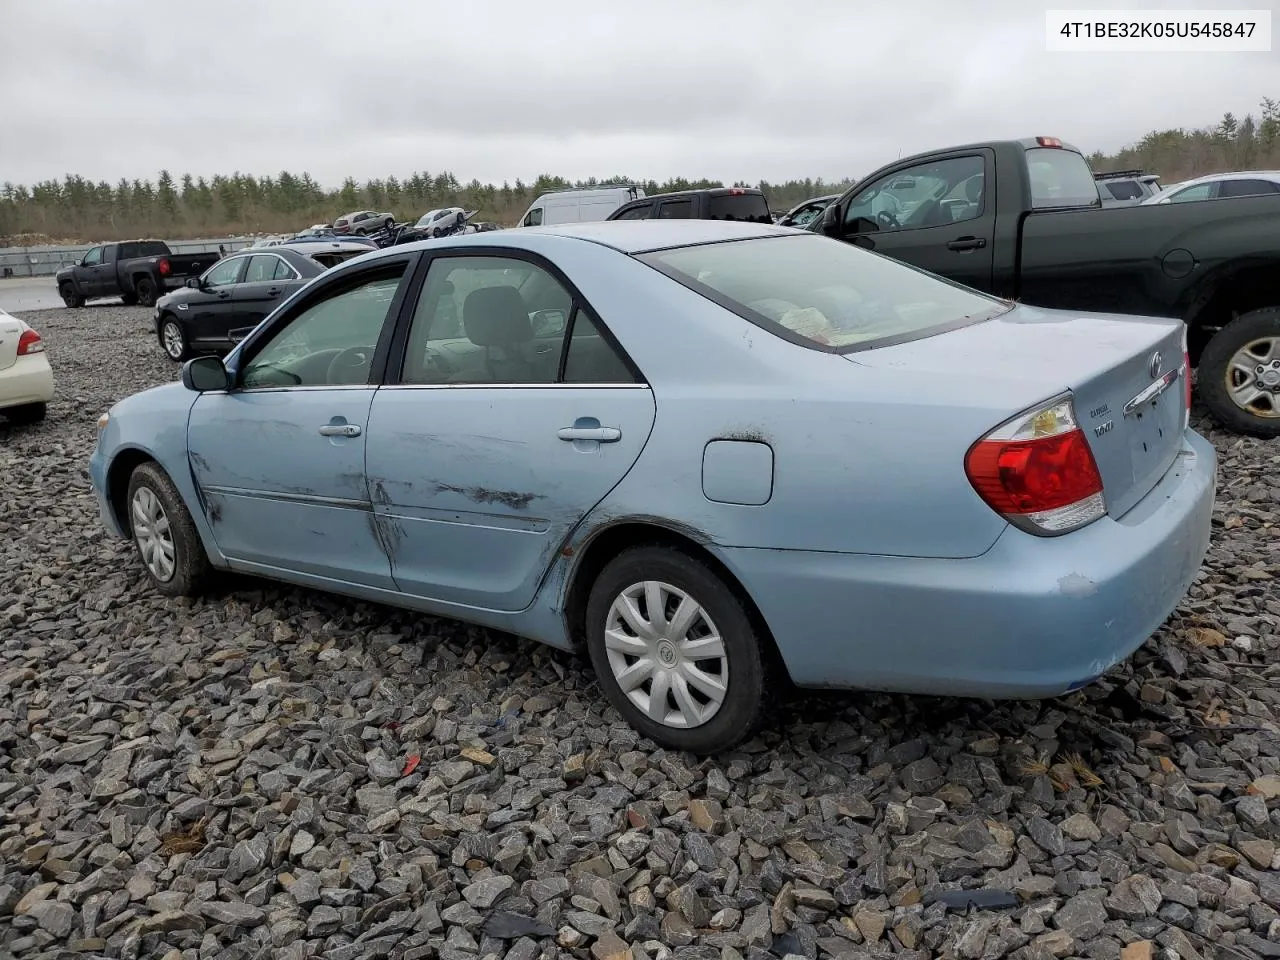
(193, 283)
(831, 220)
(205, 373)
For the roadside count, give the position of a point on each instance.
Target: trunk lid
(10, 332)
(1115, 366)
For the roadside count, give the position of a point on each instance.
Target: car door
(87, 272)
(268, 280)
(279, 458)
(210, 315)
(938, 215)
(512, 414)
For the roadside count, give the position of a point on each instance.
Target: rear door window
(746, 207)
(1246, 188)
(676, 209)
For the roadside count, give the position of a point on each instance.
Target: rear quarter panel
(1143, 259)
(864, 460)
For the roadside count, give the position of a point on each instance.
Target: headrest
(496, 316)
(973, 189)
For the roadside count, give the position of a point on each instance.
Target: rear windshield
(333, 258)
(823, 293)
(1060, 178)
(749, 207)
(143, 248)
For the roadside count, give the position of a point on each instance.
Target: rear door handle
(273, 292)
(967, 243)
(600, 434)
(340, 430)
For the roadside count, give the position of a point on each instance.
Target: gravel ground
(274, 772)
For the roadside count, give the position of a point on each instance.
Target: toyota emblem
(1153, 366)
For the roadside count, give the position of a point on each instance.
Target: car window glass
(282, 271)
(331, 341)
(1245, 188)
(635, 213)
(1201, 191)
(1124, 190)
(927, 195)
(806, 214)
(224, 272)
(534, 218)
(487, 320)
(675, 210)
(93, 257)
(746, 207)
(591, 357)
(261, 269)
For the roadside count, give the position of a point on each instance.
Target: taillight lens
(1186, 378)
(1038, 472)
(164, 268)
(30, 343)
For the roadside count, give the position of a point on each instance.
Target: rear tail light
(164, 268)
(1038, 472)
(1186, 378)
(30, 343)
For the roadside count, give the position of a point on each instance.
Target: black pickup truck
(710, 203)
(1022, 219)
(137, 271)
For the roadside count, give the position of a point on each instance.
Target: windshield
(823, 293)
(1060, 178)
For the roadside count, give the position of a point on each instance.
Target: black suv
(715, 203)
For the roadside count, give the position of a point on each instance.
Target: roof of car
(1233, 175)
(629, 236)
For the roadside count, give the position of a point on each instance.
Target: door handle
(967, 243)
(273, 292)
(340, 430)
(600, 434)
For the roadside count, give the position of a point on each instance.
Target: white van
(576, 206)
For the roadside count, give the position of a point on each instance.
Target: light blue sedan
(714, 454)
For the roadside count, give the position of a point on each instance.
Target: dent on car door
(279, 458)
(512, 415)
(938, 215)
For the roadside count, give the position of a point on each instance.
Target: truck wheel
(129, 299)
(1239, 374)
(70, 297)
(145, 290)
(388, 223)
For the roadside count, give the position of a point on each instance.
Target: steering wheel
(349, 361)
(888, 219)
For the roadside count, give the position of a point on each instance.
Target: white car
(1219, 186)
(26, 380)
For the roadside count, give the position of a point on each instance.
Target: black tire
(129, 299)
(70, 297)
(389, 223)
(191, 568)
(27, 413)
(173, 339)
(1214, 369)
(145, 291)
(743, 706)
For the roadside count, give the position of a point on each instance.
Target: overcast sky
(500, 89)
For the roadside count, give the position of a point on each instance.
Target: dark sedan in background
(215, 311)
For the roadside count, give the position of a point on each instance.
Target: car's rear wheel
(1238, 375)
(27, 413)
(675, 650)
(174, 340)
(389, 222)
(129, 299)
(145, 291)
(70, 297)
(164, 534)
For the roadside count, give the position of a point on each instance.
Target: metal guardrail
(44, 261)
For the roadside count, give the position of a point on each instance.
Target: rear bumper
(1032, 617)
(29, 380)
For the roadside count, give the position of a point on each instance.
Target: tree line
(76, 210)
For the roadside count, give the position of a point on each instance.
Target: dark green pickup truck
(1022, 219)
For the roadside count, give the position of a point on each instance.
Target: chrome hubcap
(173, 339)
(152, 533)
(666, 654)
(1253, 377)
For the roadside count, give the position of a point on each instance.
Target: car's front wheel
(164, 534)
(676, 650)
(1238, 375)
(70, 297)
(174, 340)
